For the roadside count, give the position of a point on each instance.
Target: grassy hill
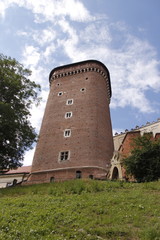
(81, 210)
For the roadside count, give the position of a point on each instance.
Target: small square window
(69, 102)
(60, 93)
(68, 114)
(78, 174)
(63, 156)
(67, 132)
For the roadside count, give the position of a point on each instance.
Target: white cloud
(97, 33)
(22, 33)
(133, 97)
(31, 56)
(75, 10)
(2, 9)
(70, 45)
(48, 53)
(48, 10)
(45, 36)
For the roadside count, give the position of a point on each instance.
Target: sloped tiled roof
(23, 169)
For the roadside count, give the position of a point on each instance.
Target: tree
(17, 94)
(144, 162)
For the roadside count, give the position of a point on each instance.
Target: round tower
(75, 139)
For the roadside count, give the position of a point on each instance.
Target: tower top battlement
(81, 67)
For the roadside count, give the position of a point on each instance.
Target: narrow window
(67, 133)
(60, 93)
(78, 174)
(82, 89)
(52, 179)
(68, 114)
(63, 156)
(69, 102)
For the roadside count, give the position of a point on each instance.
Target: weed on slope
(81, 209)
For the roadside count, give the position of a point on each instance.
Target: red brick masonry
(90, 144)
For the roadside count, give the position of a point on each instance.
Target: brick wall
(90, 143)
(127, 144)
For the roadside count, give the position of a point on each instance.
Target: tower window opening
(67, 133)
(82, 89)
(52, 179)
(91, 176)
(69, 102)
(68, 114)
(78, 174)
(60, 93)
(64, 156)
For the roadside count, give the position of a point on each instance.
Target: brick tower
(75, 139)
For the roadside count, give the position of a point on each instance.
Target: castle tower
(75, 139)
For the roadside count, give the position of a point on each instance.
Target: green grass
(81, 210)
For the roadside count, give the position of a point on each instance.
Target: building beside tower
(123, 146)
(75, 139)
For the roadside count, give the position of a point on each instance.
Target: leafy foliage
(17, 94)
(144, 161)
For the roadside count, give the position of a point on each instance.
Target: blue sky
(123, 34)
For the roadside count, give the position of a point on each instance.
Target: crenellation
(81, 70)
(148, 125)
